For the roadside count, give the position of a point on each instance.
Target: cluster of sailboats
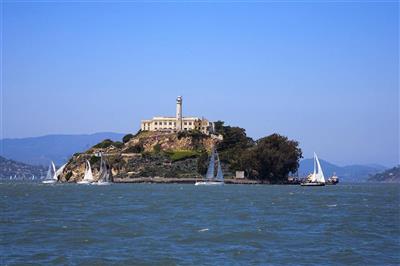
(212, 177)
(104, 177)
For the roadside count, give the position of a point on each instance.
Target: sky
(324, 73)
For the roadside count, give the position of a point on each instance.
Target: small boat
(88, 177)
(51, 176)
(104, 174)
(210, 179)
(317, 177)
(333, 180)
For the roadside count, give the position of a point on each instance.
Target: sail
(220, 175)
(211, 165)
(59, 172)
(49, 174)
(88, 172)
(320, 174)
(104, 175)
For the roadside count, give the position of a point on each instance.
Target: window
(190, 123)
(155, 128)
(170, 123)
(185, 129)
(165, 123)
(185, 123)
(155, 123)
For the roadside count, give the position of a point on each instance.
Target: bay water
(173, 224)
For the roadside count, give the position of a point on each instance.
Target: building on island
(177, 123)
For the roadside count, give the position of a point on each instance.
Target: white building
(177, 123)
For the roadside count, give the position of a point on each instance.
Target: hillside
(20, 170)
(57, 148)
(147, 154)
(391, 175)
(350, 173)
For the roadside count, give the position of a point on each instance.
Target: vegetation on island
(186, 155)
(269, 159)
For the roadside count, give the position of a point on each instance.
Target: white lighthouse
(179, 113)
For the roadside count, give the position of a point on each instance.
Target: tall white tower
(179, 113)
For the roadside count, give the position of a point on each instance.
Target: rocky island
(182, 157)
(176, 149)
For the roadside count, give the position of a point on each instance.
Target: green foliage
(138, 148)
(68, 176)
(181, 155)
(157, 148)
(127, 138)
(94, 159)
(104, 144)
(118, 144)
(273, 158)
(195, 134)
(202, 163)
(270, 158)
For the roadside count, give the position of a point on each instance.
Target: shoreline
(162, 180)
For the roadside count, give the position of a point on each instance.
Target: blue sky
(323, 73)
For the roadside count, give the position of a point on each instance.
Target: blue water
(126, 224)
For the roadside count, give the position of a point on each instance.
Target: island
(177, 149)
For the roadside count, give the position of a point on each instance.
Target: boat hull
(101, 183)
(83, 182)
(311, 184)
(49, 181)
(208, 183)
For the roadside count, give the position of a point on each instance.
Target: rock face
(148, 154)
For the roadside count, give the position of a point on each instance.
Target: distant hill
(391, 175)
(59, 148)
(350, 173)
(20, 170)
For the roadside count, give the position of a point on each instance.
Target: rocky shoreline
(164, 180)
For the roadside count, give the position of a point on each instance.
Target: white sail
(211, 166)
(59, 172)
(88, 173)
(104, 175)
(49, 174)
(319, 177)
(220, 175)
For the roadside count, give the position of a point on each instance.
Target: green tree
(127, 138)
(273, 158)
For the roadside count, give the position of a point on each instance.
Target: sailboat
(104, 173)
(88, 177)
(210, 179)
(317, 177)
(51, 176)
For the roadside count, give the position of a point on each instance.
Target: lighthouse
(179, 113)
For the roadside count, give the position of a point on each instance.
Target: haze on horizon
(325, 74)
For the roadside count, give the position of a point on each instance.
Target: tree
(127, 138)
(274, 157)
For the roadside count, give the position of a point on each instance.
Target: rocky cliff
(147, 154)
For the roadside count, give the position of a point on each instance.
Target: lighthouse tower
(179, 113)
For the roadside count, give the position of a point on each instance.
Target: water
(149, 224)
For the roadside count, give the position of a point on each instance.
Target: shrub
(94, 159)
(127, 138)
(118, 144)
(182, 155)
(157, 148)
(104, 144)
(138, 148)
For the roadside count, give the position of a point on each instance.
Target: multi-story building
(177, 123)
